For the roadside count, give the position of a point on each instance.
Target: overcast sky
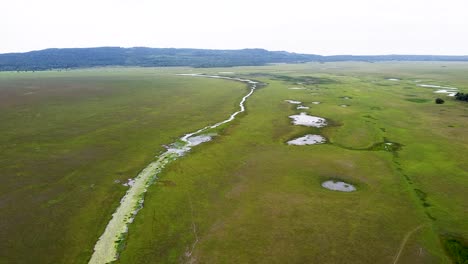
(307, 26)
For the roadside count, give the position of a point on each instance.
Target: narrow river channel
(106, 248)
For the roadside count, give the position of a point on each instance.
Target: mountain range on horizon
(66, 58)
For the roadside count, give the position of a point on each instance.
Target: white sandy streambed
(105, 250)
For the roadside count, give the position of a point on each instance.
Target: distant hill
(157, 57)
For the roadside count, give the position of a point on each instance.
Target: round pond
(338, 186)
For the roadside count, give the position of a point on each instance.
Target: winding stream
(107, 247)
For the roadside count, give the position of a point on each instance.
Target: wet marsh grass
(253, 199)
(253, 194)
(418, 100)
(455, 248)
(64, 147)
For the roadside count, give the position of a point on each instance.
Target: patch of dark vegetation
(383, 129)
(430, 216)
(456, 249)
(167, 183)
(439, 101)
(410, 95)
(408, 179)
(386, 145)
(370, 117)
(301, 80)
(121, 242)
(332, 123)
(383, 84)
(376, 108)
(461, 96)
(417, 100)
(408, 87)
(422, 196)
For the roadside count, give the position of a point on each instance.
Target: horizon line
(331, 55)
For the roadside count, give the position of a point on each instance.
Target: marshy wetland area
(347, 162)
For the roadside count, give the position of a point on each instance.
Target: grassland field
(69, 140)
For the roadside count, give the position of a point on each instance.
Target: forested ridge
(160, 57)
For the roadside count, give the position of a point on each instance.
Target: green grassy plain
(66, 137)
(246, 196)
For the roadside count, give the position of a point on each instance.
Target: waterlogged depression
(197, 140)
(293, 101)
(106, 248)
(450, 91)
(307, 140)
(304, 119)
(338, 186)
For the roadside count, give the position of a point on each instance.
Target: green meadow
(70, 139)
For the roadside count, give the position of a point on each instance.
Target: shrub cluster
(462, 96)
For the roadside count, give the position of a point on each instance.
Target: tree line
(462, 96)
(156, 57)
